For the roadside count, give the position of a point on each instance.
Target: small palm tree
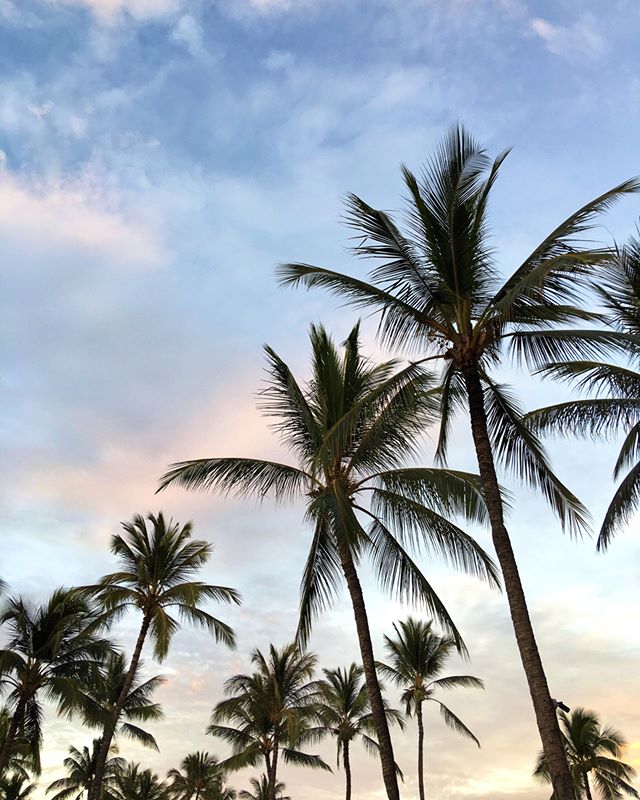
(619, 293)
(158, 564)
(81, 769)
(22, 758)
(16, 787)
(416, 658)
(52, 649)
(594, 755)
(98, 702)
(134, 783)
(272, 711)
(352, 427)
(344, 711)
(261, 790)
(200, 777)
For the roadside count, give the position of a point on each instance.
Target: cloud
(188, 32)
(111, 10)
(41, 110)
(62, 214)
(582, 40)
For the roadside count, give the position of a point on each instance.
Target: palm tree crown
(261, 790)
(594, 755)
(271, 710)
(352, 427)
(343, 709)
(134, 783)
(16, 786)
(99, 700)
(81, 766)
(200, 777)
(52, 648)
(158, 564)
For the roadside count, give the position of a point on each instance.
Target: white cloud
(110, 10)
(41, 110)
(188, 32)
(66, 214)
(583, 39)
(279, 60)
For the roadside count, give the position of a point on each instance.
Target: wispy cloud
(581, 40)
(61, 214)
(111, 10)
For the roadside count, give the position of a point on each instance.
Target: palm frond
(521, 452)
(598, 417)
(398, 574)
(455, 723)
(241, 477)
(624, 502)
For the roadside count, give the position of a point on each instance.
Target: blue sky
(158, 158)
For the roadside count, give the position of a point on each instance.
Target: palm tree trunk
(371, 677)
(271, 788)
(110, 728)
(543, 706)
(16, 721)
(587, 788)
(347, 770)
(420, 751)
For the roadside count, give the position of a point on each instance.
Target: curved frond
(241, 477)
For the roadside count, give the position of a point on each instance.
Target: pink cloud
(68, 215)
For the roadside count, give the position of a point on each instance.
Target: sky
(158, 158)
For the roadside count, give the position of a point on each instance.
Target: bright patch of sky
(157, 158)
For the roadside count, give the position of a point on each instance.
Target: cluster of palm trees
(60, 651)
(569, 311)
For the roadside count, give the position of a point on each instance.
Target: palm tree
(352, 427)
(157, 567)
(619, 293)
(22, 757)
(416, 658)
(344, 711)
(134, 783)
(201, 777)
(81, 767)
(16, 787)
(272, 710)
(99, 700)
(52, 649)
(438, 291)
(261, 790)
(592, 751)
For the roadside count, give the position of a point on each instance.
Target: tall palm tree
(352, 428)
(16, 787)
(261, 790)
(52, 648)
(343, 709)
(594, 754)
(97, 703)
(200, 777)
(416, 658)
(438, 291)
(272, 712)
(81, 768)
(134, 783)
(619, 294)
(158, 564)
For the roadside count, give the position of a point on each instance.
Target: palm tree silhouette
(352, 427)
